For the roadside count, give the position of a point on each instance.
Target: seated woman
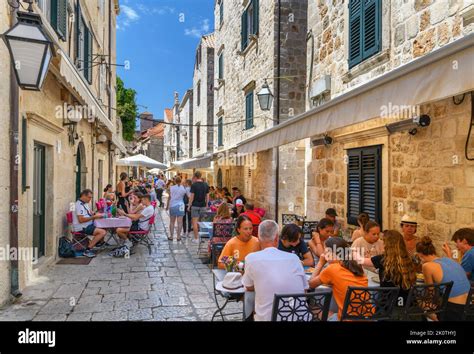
(395, 266)
(223, 214)
(370, 244)
(242, 244)
(134, 204)
(443, 270)
(238, 209)
(324, 230)
(140, 220)
(291, 241)
(341, 272)
(109, 193)
(362, 219)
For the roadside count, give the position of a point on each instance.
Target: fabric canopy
(155, 171)
(202, 162)
(446, 72)
(141, 160)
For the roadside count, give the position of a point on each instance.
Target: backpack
(65, 248)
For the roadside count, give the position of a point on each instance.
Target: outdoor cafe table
(205, 226)
(111, 224)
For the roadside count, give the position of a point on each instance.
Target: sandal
(170, 239)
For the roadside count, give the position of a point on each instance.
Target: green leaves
(127, 109)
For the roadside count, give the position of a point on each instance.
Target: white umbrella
(155, 171)
(141, 160)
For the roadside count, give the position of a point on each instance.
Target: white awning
(446, 72)
(201, 162)
(70, 74)
(142, 161)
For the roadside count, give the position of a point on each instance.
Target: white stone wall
(186, 117)
(4, 153)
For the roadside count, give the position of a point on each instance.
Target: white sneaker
(195, 240)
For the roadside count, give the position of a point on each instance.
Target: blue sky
(159, 39)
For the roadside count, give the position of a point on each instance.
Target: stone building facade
(203, 97)
(186, 125)
(60, 160)
(246, 63)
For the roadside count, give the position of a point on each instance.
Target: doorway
(80, 169)
(39, 199)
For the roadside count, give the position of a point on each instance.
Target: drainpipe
(14, 116)
(93, 159)
(277, 157)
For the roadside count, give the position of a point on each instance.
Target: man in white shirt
(140, 221)
(83, 221)
(271, 271)
(160, 187)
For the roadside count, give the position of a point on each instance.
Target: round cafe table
(111, 225)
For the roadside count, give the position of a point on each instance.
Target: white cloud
(198, 31)
(159, 10)
(128, 15)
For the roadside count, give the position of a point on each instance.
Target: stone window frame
(253, 38)
(249, 88)
(220, 82)
(376, 60)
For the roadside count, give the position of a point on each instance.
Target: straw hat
(232, 283)
(408, 219)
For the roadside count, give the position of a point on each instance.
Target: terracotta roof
(169, 114)
(146, 114)
(208, 40)
(157, 131)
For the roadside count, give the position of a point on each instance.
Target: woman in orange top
(341, 272)
(242, 244)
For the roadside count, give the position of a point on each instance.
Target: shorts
(177, 210)
(89, 230)
(135, 227)
(197, 211)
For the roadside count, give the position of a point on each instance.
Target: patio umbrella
(142, 161)
(155, 171)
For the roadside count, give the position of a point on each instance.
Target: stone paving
(171, 284)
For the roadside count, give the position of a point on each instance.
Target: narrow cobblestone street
(171, 284)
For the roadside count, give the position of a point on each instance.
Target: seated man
(151, 192)
(252, 214)
(83, 221)
(271, 271)
(140, 221)
(291, 241)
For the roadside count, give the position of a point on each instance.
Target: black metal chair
(308, 227)
(221, 234)
(306, 307)
(289, 219)
(218, 275)
(469, 308)
(207, 216)
(369, 304)
(427, 299)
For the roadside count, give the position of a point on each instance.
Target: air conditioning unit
(321, 87)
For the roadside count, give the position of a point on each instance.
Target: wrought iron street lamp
(265, 97)
(30, 50)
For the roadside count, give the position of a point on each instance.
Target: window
(198, 89)
(83, 47)
(249, 110)
(198, 136)
(56, 12)
(198, 57)
(221, 12)
(249, 24)
(365, 34)
(220, 132)
(364, 184)
(221, 66)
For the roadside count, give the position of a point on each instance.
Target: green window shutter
(243, 31)
(221, 12)
(220, 132)
(355, 32)
(221, 66)
(371, 28)
(24, 151)
(77, 30)
(249, 111)
(255, 16)
(88, 54)
(54, 14)
(62, 19)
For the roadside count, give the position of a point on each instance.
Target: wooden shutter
(88, 54)
(243, 31)
(371, 28)
(220, 132)
(249, 110)
(221, 12)
(255, 16)
(61, 27)
(221, 66)
(24, 153)
(355, 32)
(77, 37)
(364, 184)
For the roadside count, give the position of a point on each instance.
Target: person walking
(122, 193)
(175, 205)
(187, 224)
(198, 201)
(160, 187)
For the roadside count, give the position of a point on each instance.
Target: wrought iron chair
(469, 308)
(302, 307)
(143, 237)
(369, 304)
(308, 227)
(221, 233)
(427, 299)
(218, 275)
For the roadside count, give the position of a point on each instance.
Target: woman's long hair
(339, 246)
(223, 211)
(397, 263)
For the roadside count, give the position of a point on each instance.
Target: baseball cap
(331, 212)
(239, 202)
